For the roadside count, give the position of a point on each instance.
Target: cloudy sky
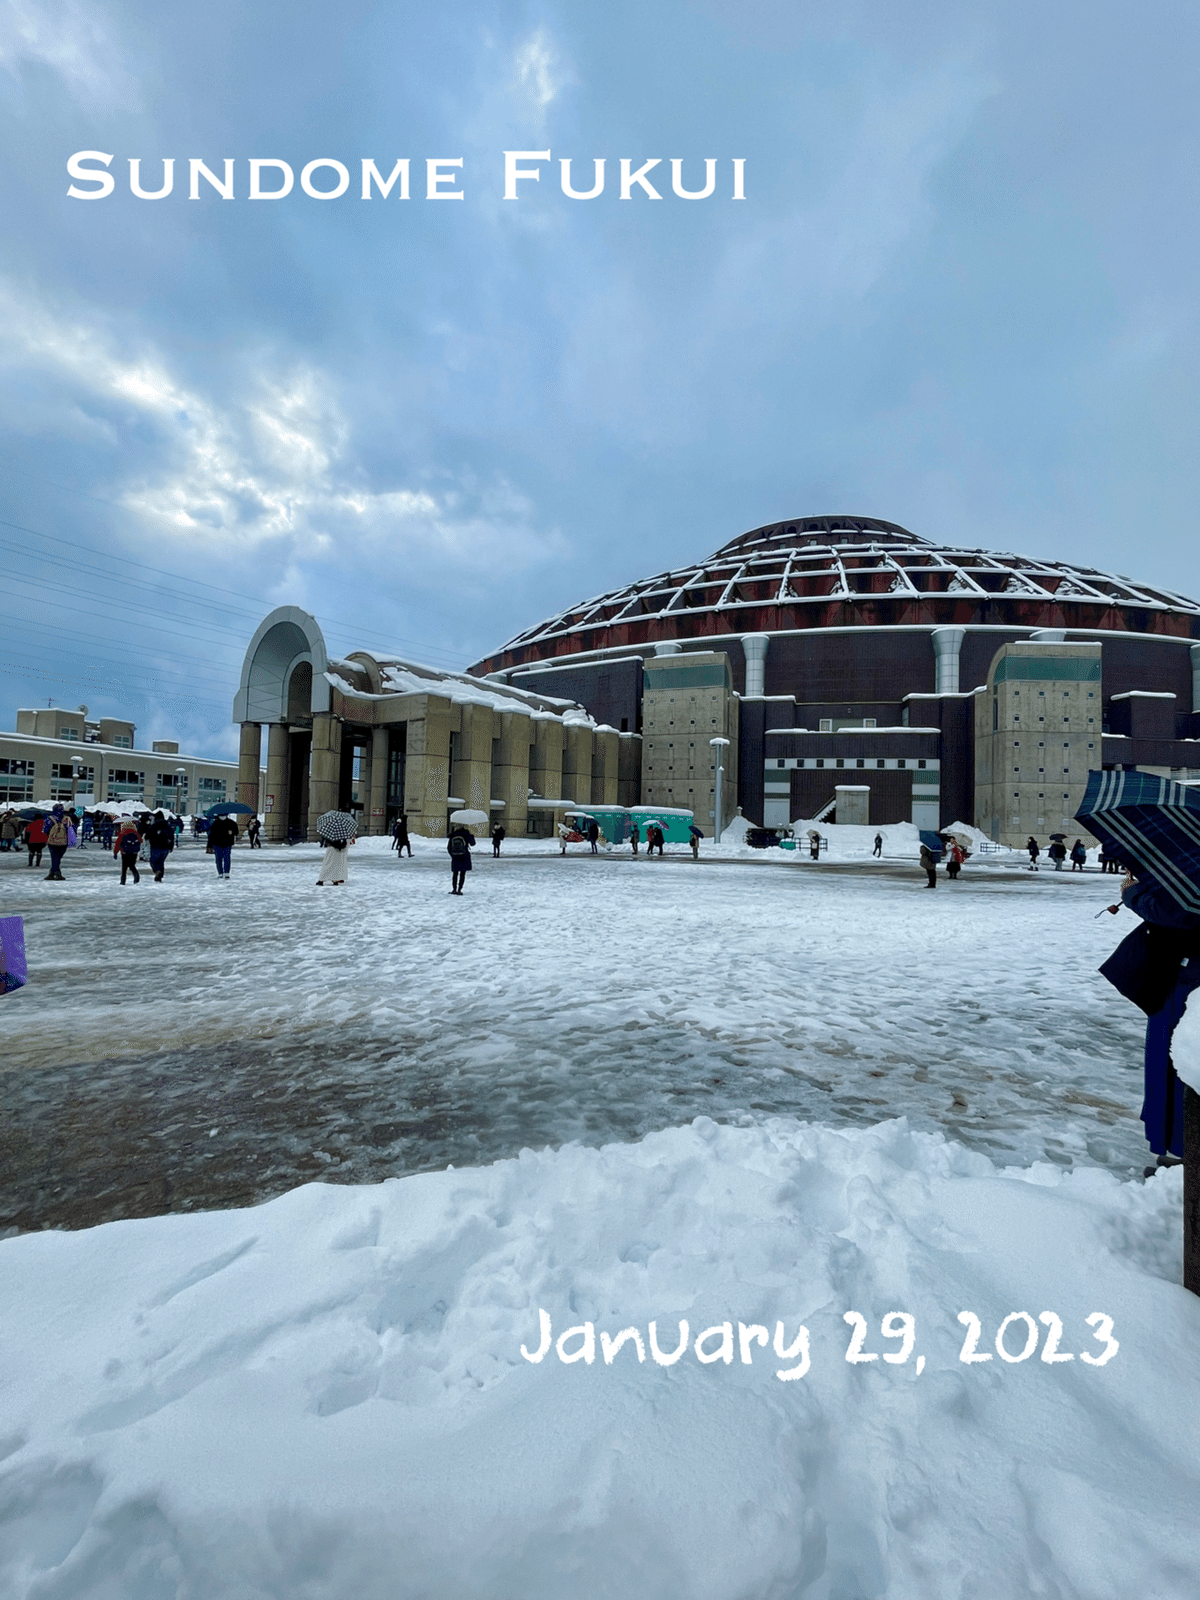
(960, 294)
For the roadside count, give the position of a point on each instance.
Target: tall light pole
(718, 807)
(180, 790)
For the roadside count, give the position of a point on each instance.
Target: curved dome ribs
(855, 571)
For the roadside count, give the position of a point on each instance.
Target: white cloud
(538, 70)
(276, 463)
(67, 38)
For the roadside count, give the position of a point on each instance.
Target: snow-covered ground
(325, 1395)
(389, 1026)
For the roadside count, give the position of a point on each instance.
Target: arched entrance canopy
(284, 640)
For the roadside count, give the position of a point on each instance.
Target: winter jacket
(222, 833)
(129, 841)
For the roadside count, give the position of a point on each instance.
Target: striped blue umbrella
(1153, 826)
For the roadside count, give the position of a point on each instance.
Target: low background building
(56, 753)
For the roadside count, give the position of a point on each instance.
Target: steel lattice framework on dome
(817, 572)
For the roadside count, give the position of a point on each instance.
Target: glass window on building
(212, 790)
(122, 741)
(16, 782)
(60, 780)
(125, 785)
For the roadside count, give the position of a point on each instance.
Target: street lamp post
(718, 821)
(180, 790)
(76, 768)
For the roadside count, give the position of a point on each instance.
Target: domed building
(863, 672)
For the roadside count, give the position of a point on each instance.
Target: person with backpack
(1057, 853)
(126, 847)
(1078, 856)
(222, 834)
(929, 861)
(695, 837)
(58, 838)
(498, 837)
(458, 846)
(160, 836)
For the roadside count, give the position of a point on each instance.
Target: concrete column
(606, 755)
(326, 770)
(577, 766)
(756, 645)
(249, 764)
(511, 780)
(278, 785)
(427, 768)
(376, 818)
(947, 642)
(1196, 677)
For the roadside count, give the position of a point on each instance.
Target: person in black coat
(160, 836)
(222, 834)
(400, 839)
(1035, 851)
(458, 846)
(497, 838)
(593, 834)
(1157, 968)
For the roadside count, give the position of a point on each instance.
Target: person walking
(1057, 853)
(160, 836)
(695, 838)
(334, 863)
(1157, 967)
(1035, 851)
(878, 850)
(497, 838)
(58, 837)
(458, 846)
(106, 832)
(126, 847)
(35, 840)
(400, 839)
(1078, 856)
(929, 861)
(955, 860)
(9, 829)
(253, 832)
(814, 844)
(222, 833)
(657, 840)
(593, 834)
(635, 837)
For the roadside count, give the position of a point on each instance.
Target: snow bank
(1185, 1043)
(326, 1396)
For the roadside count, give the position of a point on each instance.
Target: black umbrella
(230, 808)
(1058, 836)
(30, 813)
(1153, 825)
(336, 825)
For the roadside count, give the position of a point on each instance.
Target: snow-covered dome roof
(847, 571)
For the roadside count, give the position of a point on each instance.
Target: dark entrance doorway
(397, 750)
(299, 753)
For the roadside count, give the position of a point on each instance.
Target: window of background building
(16, 782)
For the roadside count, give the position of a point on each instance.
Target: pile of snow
(1185, 1043)
(326, 1396)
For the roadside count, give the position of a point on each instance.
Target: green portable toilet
(613, 820)
(675, 821)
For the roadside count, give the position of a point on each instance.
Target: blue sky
(960, 295)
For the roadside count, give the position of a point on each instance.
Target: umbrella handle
(1103, 909)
